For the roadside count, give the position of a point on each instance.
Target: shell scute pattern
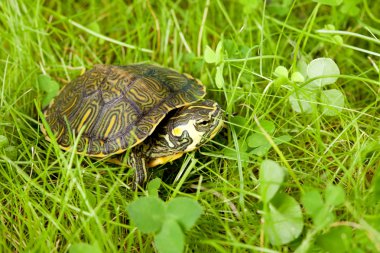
(117, 107)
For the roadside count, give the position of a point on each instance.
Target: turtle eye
(203, 122)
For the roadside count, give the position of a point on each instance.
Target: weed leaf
(271, 177)
(258, 139)
(219, 55)
(282, 139)
(284, 221)
(49, 87)
(334, 195)
(219, 79)
(322, 67)
(209, 55)
(84, 248)
(46, 84)
(329, 2)
(3, 141)
(153, 187)
(185, 211)
(312, 201)
(171, 238)
(317, 209)
(281, 71)
(11, 152)
(335, 240)
(303, 101)
(297, 77)
(332, 102)
(350, 7)
(148, 213)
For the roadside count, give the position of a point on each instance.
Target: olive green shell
(117, 107)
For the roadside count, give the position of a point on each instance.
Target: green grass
(52, 199)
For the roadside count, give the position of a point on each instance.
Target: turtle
(140, 115)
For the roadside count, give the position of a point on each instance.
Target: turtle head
(195, 124)
(189, 128)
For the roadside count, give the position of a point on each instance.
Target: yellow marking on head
(110, 125)
(168, 141)
(194, 134)
(177, 131)
(85, 117)
(163, 160)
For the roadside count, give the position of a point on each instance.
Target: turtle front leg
(137, 161)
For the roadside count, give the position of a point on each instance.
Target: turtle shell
(114, 108)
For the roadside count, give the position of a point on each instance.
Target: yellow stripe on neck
(163, 160)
